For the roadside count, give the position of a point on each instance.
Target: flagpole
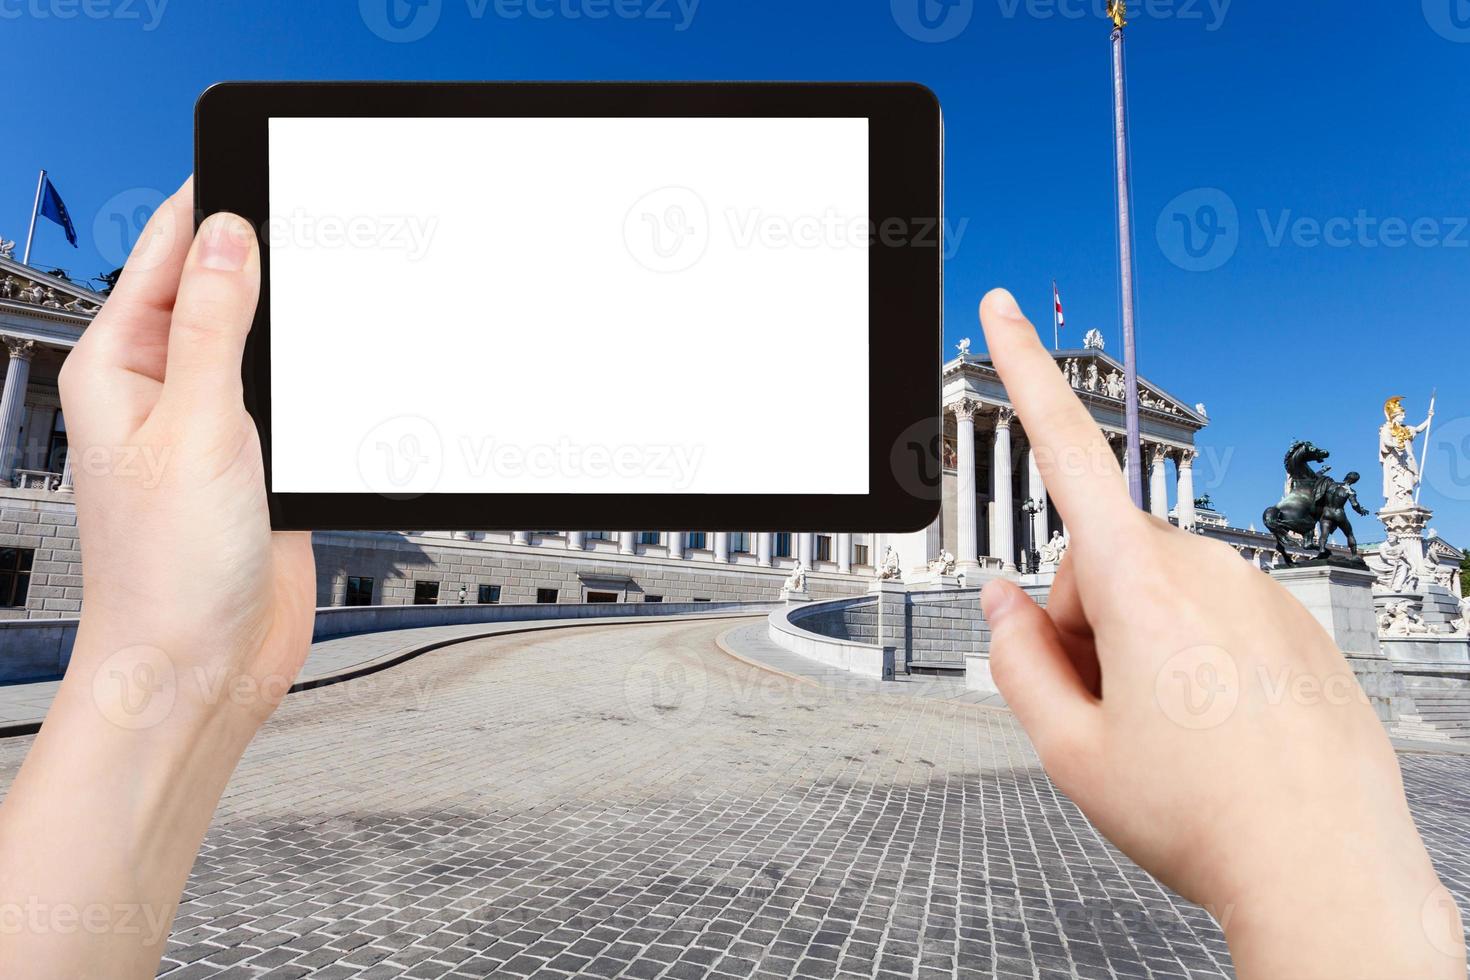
(1424, 456)
(35, 212)
(1117, 9)
(1056, 329)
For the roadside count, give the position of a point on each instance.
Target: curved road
(630, 801)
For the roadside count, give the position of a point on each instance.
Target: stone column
(66, 485)
(722, 547)
(806, 545)
(1185, 463)
(520, 537)
(1158, 481)
(628, 543)
(967, 547)
(13, 403)
(844, 553)
(676, 544)
(576, 540)
(1037, 491)
(765, 545)
(1003, 544)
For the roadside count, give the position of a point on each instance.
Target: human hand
(1204, 721)
(196, 620)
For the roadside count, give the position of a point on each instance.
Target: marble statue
(1398, 618)
(1396, 452)
(1072, 372)
(796, 581)
(944, 564)
(964, 347)
(32, 294)
(1092, 380)
(1399, 575)
(1199, 408)
(1093, 340)
(1054, 551)
(890, 570)
(9, 287)
(1309, 496)
(49, 300)
(1114, 385)
(7, 249)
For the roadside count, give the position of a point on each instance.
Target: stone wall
(396, 562)
(47, 523)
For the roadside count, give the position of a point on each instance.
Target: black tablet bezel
(905, 285)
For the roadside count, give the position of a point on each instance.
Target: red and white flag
(1061, 320)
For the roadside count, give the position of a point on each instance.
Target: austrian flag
(1057, 296)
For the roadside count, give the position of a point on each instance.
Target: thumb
(1037, 678)
(211, 317)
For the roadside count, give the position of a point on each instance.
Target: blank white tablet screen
(567, 305)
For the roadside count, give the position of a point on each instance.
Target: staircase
(1437, 716)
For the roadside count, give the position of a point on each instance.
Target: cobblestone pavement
(629, 801)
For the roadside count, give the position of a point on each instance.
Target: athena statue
(1396, 451)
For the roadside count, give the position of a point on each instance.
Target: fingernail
(224, 243)
(999, 600)
(1002, 303)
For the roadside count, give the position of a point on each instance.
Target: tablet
(620, 306)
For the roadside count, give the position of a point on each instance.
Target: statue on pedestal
(944, 564)
(796, 581)
(1400, 575)
(1313, 505)
(1053, 552)
(891, 570)
(1396, 452)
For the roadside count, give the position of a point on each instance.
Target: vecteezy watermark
(1450, 19)
(36, 917)
(120, 222)
(148, 13)
(1201, 687)
(663, 690)
(933, 21)
(1211, 13)
(672, 467)
(1447, 459)
(401, 457)
(668, 230)
(671, 229)
(1201, 230)
(408, 233)
(135, 688)
(405, 21)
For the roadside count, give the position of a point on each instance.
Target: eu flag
(52, 207)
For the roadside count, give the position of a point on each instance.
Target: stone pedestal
(1408, 524)
(791, 596)
(1342, 600)
(924, 581)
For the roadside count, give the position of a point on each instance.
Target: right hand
(1205, 722)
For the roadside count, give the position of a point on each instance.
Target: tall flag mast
(1118, 11)
(1058, 319)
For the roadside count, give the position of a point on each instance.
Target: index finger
(1077, 465)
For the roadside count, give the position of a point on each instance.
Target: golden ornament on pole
(1118, 10)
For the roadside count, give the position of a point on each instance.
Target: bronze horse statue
(1306, 499)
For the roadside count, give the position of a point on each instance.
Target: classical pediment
(27, 287)
(1097, 376)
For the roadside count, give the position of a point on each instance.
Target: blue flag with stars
(52, 207)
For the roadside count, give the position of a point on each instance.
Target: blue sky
(1326, 137)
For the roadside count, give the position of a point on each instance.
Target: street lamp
(1031, 509)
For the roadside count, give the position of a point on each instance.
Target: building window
(56, 451)
(602, 597)
(740, 543)
(15, 575)
(860, 554)
(824, 547)
(697, 541)
(653, 598)
(650, 537)
(489, 595)
(602, 536)
(359, 591)
(426, 593)
(783, 544)
(546, 596)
